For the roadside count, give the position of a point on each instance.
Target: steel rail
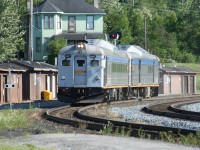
(149, 128)
(172, 111)
(97, 123)
(176, 108)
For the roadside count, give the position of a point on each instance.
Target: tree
(11, 33)
(116, 20)
(54, 47)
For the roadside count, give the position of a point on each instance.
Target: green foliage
(10, 29)
(90, 1)
(109, 129)
(172, 27)
(190, 139)
(54, 47)
(23, 147)
(10, 119)
(141, 133)
(116, 20)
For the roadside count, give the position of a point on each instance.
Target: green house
(75, 20)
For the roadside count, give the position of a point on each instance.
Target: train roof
(106, 48)
(135, 49)
(97, 47)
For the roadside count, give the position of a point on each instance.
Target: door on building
(48, 83)
(5, 90)
(72, 24)
(38, 85)
(53, 86)
(192, 84)
(185, 84)
(170, 84)
(25, 86)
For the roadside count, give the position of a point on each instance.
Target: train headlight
(62, 77)
(81, 46)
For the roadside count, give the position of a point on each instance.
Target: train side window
(94, 63)
(65, 62)
(80, 63)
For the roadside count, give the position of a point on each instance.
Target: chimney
(96, 3)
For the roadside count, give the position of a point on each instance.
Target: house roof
(67, 6)
(177, 69)
(80, 36)
(23, 66)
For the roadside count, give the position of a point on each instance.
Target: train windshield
(80, 63)
(94, 63)
(65, 62)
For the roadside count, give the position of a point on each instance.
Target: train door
(80, 70)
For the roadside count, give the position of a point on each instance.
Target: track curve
(78, 119)
(172, 109)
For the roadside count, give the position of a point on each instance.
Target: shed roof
(177, 69)
(67, 6)
(8, 66)
(17, 65)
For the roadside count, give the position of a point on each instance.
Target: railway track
(172, 109)
(76, 117)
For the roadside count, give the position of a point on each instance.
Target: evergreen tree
(10, 29)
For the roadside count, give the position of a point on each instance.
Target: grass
(195, 67)
(109, 129)
(23, 147)
(190, 139)
(188, 65)
(10, 119)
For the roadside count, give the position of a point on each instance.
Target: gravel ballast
(191, 107)
(131, 113)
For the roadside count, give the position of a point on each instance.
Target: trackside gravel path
(94, 142)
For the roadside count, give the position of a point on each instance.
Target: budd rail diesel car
(106, 72)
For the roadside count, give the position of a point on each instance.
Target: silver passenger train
(106, 72)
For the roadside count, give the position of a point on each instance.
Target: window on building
(37, 21)
(48, 22)
(90, 22)
(46, 39)
(59, 21)
(38, 44)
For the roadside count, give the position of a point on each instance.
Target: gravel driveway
(93, 142)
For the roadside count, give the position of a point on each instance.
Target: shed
(177, 80)
(24, 80)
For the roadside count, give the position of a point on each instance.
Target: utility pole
(30, 47)
(145, 32)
